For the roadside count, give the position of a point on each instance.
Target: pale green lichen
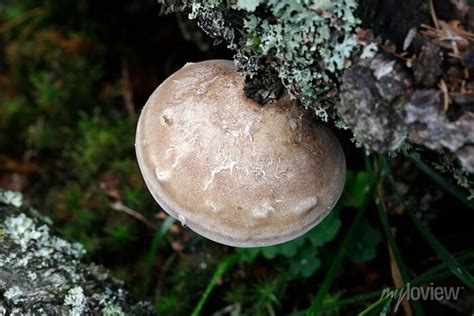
(369, 51)
(14, 294)
(304, 41)
(46, 276)
(249, 5)
(23, 231)
(341, 125)
(76, 300)
(108, 301)
(11, 198)
(449, 165)
(210, 12)
(32, 275)
(112, 310)
(37, 244)
(307, 39)
(446, 163)
(462, 181)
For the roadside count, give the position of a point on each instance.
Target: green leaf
(269, 252)
(159, 235)
(121, 234)
(306, 263)
(326, 230)
(249, 254)
(221, 269)
(365, 248)
(343, 249)
(434, 274)
(417, 308)
(357, 187)
(437, 273)
(287, 249)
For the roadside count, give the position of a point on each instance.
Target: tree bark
(414, 93)
(43, 274)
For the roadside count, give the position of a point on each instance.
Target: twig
(127, 90)
(30, 27)
(119, 206)
(9, 164)
(450, 36)
(397, 277)
(446, 100)
(433, 14)
(20, 19)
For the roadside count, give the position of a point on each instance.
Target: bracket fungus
(233, 171)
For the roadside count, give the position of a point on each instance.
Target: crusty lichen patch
(303, 44)
(11, 198)
(42, 273)
(76, 299)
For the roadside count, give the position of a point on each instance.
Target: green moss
(99, 141)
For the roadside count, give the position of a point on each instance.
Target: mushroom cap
(234, 171)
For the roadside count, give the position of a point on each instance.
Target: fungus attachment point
(233, 171)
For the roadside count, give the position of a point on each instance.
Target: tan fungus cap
(236, 172)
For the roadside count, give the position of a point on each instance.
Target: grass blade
(443, 182)
(432, 275)
(372, 308)
(425, 276)
(417, 309)
(159, 235)
(221, 269)
(440, 250)
(443, 253)
(387, 307)
(376, 305)
(352, 300)
(345, 245)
